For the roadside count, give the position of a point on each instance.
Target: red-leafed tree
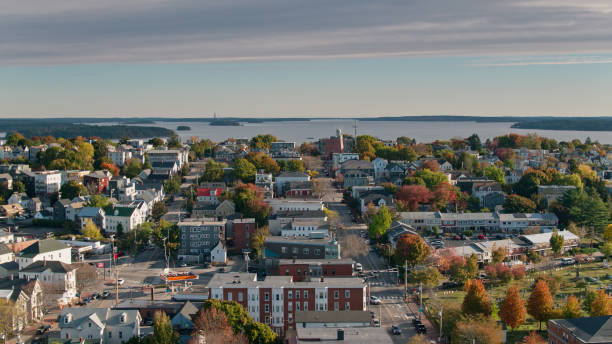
(444, 194)
(413, 249)
(414, 195)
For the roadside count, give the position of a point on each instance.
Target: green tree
(380, 223)
(174, 141)
(430, 276)
(474, 142)
(213, 171)
(156, 142)
(18, 186)
(471, 266)
(172, 185)
(163, 333)
(72, 189)
(132, 168)
(431, 179)
(244, 170)
(263, 161)
(98, 201)
(519, 204)
(263, 141)
(159, 209)
(92, 231)
(556, 242)
(606, 249)
(494, 173)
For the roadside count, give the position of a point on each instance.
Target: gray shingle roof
(589, 330)
(53, 266)
(42, 246)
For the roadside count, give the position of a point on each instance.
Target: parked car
(372, 314)
(43, 328)
(105, 294)
(568, 261)
(416, 322)
(376, 323)
(482, 237)
(396, 330)
(420, 328)
(120, 281)
(375, 300)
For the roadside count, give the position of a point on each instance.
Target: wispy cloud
(87, 31)
(564, 60)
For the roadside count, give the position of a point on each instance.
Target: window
(286, 272)
(297, 306)
(277, 297)
(305, 294)
(294, 250)
(347, 294)
(306, 251)
(347, 306)
(290, 306)
(305, 306)
(297, 294)
(240, 297)
(317, 251)
(110, 334)
(89, 324)
(290, 318)
(267, 320)
(266, 297)
(289, 294)
(120, 334)
(283, 249)
(336, 294)
(229, 296)
(336, 306)
(267, 308)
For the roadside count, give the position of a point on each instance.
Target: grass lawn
(567, 285)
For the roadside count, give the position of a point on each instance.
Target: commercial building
(47, 182)
(304, 269)
(312, 247)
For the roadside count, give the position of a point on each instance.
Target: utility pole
(406, 281)
(420, 299)
(441, 310)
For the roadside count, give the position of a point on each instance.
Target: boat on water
(178, 276)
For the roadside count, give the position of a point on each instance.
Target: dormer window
(123, 317)
(67, 318)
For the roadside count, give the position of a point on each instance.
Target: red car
(482, 237)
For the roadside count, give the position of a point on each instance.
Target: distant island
(225, 122)
(60, 128)
(183, 127)
(570, 124)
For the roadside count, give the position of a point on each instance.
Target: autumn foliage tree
(411, 248)
(540, 302)
(211, 325)
(571, 309)
(601, 304)
(533, 338)
(476, 300)
(512, 310)
(431, 165)
(112, 168)
(414, 195)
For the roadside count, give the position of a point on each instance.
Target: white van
(568, 261)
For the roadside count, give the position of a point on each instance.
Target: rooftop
(589, 330)
(42, 246)
(352, 335)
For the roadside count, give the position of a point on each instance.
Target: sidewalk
(432, 331)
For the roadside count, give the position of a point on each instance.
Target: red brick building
(588, 330)
(275, 300)
(97, 181)
(305, 269)
(243, 231)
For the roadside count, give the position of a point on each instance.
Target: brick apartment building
(305, 269)
(243, 231)
(275, 300)
(301, 247)
(588, 330)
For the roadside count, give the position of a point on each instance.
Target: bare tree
(212, 327)
(86, 276)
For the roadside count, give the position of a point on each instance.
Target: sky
(318, 58)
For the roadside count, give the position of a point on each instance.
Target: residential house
(108, 326)
(198, 239)
(183, 320)
(331, 145)
(305, 227)
(489, 193)
(73, 176)
(44, 250)
(164, 169)
(59, 209)
(219, 253)
(6, 178)
(278, 205)
(553, 193)
(280, 219)
(376, 198)
(180, 156)
(541, 242)
(57, 278)
(224, 154)
(23, 200)
(6, 254)
(120, 156)
(224, 209)
(338, 158)
(11, 210)
(282, 180)
(356, 173)
(27, 299)
(72, 209)
(397, 231)
(94, 215)
(97, 181)
(125, 216)
(122, 189)
(380, 165)
(265, 182)
(299, 189)
(209, 195)
(314, 247)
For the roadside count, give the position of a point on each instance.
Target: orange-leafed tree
(533, 338)
(431, 165)
(540, 303)
(601, 304)
(512, 310)
(476, 300)
(571, 309)
(112, 168)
